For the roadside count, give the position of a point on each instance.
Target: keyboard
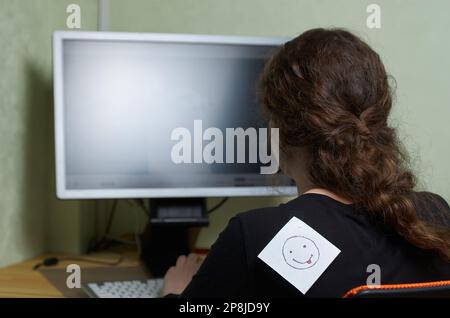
(150, 288)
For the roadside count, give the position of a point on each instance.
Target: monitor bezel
(63, 193)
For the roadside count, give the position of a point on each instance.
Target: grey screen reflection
(122, 101)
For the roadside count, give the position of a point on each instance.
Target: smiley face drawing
(300, 252)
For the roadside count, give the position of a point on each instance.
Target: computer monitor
(124, 100)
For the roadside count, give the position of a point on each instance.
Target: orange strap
(359, 289)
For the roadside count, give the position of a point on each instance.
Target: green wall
(31, 220)
(413, 42)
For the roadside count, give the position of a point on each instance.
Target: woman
(329, 94)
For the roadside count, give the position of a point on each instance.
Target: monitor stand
(167, 234)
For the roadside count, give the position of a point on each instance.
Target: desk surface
(20, 280)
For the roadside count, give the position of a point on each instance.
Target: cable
(92, 260)
(106, 239)
(120, 240)
(136, 232)
(111, 217)
(140, 203)
(218, 205)
(51, 261)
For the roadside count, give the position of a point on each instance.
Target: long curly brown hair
(328, 91)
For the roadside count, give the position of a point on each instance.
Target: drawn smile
(307, 262)
(297, 249)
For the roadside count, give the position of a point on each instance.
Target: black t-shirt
(232, 268)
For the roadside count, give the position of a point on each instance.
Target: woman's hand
(180, 275)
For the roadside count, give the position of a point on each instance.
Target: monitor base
(168, 232)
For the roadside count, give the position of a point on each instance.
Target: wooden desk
(21, 280)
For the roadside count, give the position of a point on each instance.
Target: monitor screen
(134, 116)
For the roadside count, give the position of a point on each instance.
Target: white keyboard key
(150, 288)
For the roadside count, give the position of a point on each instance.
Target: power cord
(106, 240)
(111, 217)
(51, 261)
(218, 205)
(141, 204)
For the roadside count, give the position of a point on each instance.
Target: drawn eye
(290, 252)
(304, 246)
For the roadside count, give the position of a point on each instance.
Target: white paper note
(299, 254)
